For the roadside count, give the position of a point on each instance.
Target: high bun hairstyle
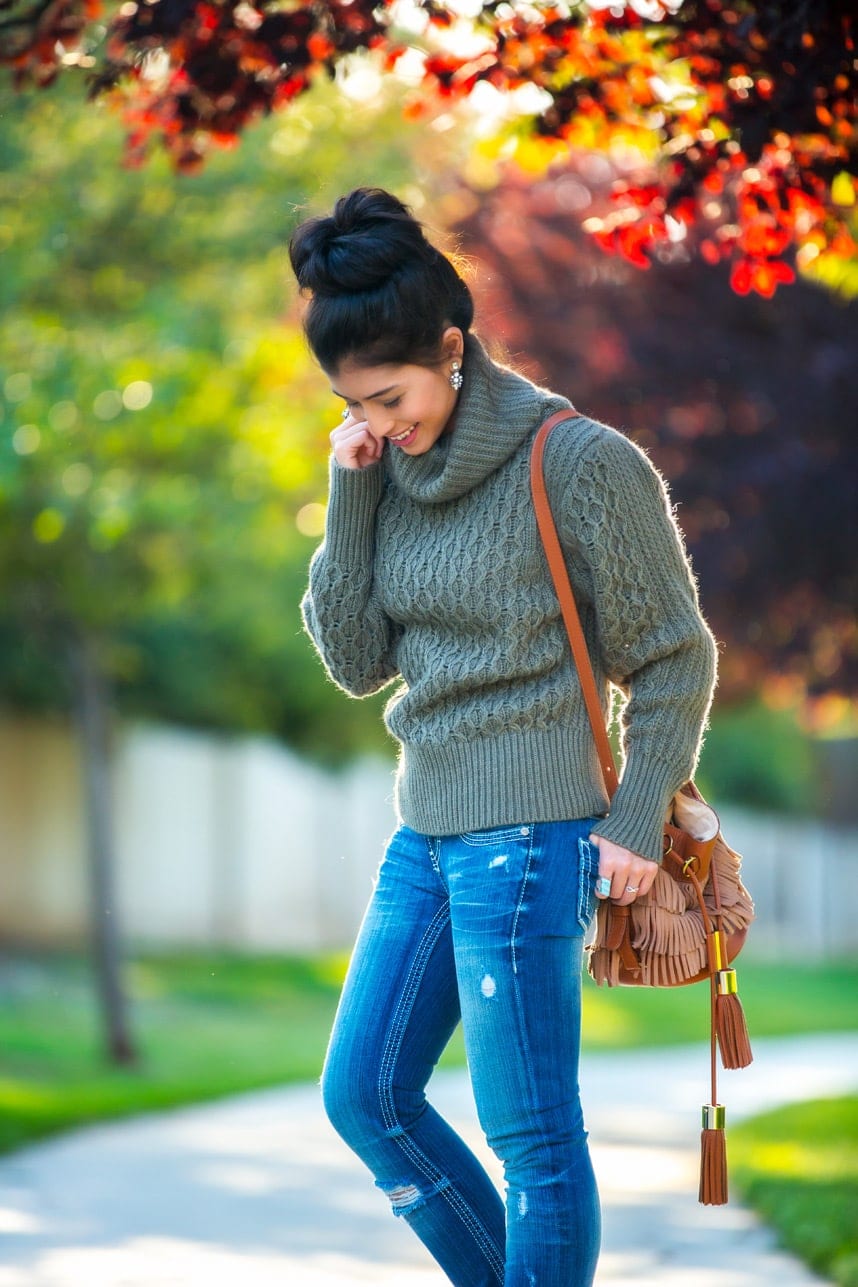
(380, 293)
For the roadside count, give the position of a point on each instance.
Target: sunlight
(140, 1262)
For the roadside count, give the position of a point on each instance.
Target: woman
(431, 573)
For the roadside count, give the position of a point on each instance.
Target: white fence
(236, 842)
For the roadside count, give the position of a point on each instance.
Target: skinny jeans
(485, 928)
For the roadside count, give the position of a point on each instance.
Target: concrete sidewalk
(257, 1191)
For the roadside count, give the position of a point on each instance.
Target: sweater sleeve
(654, 642)
(341, 611)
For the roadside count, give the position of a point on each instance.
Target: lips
(403, 440)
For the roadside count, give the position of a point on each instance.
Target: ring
(632, 889)
(603, 886)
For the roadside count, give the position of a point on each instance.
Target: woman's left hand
(629, 874)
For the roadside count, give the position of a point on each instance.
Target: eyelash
(389, 406)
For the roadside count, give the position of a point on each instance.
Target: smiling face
(407, 405)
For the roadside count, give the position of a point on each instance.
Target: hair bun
(380, 292)
(369, 237)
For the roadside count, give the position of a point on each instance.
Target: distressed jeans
(486, 928)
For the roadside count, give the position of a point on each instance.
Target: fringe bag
(693, 922)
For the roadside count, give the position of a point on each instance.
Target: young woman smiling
(411, 410)
(431, 574)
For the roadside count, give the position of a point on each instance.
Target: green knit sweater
(431, 572)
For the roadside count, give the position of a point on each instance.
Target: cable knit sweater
(432, 572)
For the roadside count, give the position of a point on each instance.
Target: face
(409, 406)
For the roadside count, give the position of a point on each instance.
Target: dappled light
(732, 124)
(166, 430)
(746, 406)
(192, 814)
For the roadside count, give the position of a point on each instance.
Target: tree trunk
(92, 709)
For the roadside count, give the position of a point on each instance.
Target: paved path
(256, 1191)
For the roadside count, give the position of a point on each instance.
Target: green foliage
(206, 1026)
(798, 1166)
(758, 757)
(164, 431)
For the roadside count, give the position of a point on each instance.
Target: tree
(734, 120)
(145, 346)
(164, 444)
(747, 405)
(131, 511)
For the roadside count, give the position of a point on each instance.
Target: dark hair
(380, 292)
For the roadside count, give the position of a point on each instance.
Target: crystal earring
(456, 377)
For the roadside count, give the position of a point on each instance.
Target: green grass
(204, 1026)
(798, 1167)
(208, 1025)
(778, 999)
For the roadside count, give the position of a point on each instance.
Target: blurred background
(190, 815)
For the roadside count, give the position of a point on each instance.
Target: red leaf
(319, 47)
(631, 241)
(741, 278)
(763, 276)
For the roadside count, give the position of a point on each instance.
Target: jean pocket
(496, 836)
(588, 874)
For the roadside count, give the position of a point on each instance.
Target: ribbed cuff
(639, 806)
(352, 503)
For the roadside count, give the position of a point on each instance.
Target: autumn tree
(747, 405)
(733, 122)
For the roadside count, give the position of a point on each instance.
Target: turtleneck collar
(496, 411)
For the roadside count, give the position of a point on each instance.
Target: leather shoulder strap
(566, 597)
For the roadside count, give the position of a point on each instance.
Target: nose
(380, 423)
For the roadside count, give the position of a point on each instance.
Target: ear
(452, 344)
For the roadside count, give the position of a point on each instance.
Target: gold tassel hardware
(730, 1025)
(714, 1117)
(717, 951)
(713, 1156)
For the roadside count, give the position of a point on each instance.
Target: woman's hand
(353, 445)
(629, 874)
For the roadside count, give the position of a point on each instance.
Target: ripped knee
(403, 1198)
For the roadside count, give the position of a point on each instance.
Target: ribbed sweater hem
(532, 776)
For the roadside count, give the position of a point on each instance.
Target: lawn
(798, 1167)
(206, 1025)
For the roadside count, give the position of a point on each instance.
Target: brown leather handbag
(693, 921)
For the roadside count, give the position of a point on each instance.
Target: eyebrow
(370, 397)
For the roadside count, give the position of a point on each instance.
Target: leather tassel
(730, 1025)
(713, 1157)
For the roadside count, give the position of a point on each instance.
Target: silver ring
(632, 889)
(603, 886)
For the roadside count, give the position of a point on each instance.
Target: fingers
(354, 446)
(623, 875)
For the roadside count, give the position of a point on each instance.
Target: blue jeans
(486, 928)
